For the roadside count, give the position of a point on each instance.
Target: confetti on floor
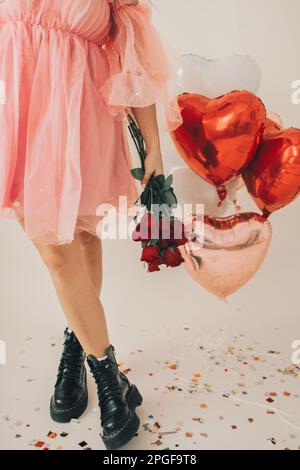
(201, 393)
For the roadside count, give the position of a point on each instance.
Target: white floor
(213, 375)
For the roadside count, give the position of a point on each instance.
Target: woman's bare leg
(77, 276)
(91, 248)
(77, 294)
(76, 271)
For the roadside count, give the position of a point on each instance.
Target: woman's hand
(147, 122)
(153, 166)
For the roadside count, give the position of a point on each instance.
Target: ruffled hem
(92, 224)
(140, 71)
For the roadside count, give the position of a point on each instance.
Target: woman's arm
(147, 122)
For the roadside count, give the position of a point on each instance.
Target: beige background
(149, 311)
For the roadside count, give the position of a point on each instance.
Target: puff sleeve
(139, 69)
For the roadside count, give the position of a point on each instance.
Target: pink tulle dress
(70, 70)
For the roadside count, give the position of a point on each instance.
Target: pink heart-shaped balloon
(226, 252)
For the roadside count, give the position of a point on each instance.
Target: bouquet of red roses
(160, 233)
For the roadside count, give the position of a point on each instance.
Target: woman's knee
(89, 242)
(57, 259)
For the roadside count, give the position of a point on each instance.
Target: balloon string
(225, 345)
(285, 417)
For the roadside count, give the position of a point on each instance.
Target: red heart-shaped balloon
(273, 177)
(219, 137)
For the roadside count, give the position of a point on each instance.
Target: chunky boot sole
(121, 437)
(60, 415)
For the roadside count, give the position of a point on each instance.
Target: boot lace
(106, 379)
(71, 360)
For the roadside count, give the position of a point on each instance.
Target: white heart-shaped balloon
(215, 77)
(192, 190)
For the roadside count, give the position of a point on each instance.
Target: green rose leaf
(155, 183)
(160, 179)
(169, 198)
(169, 181)
(138, 173)
(174, 196)
(145, 197)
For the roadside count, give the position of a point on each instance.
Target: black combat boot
(118, 400)
(70, 396)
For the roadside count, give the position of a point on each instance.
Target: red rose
(178, 232)
(147, 229)
(153, 266)
(164, 244)
(136, 236)
(151, 254)
(164, 228)
(173, 258)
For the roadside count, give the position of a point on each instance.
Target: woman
(71, 68)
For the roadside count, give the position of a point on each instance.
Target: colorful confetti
(243, 390)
